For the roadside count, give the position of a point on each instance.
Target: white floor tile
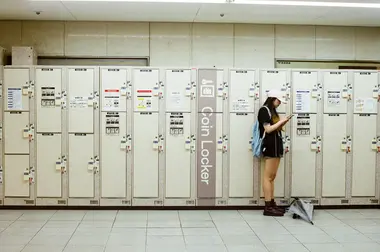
(314, 238)
(197, 224)
(200, 231)
(11, 248)
(351, 238)
(162, 240)
(163, 216)
(5, 224)
(166, 248)
(241, 240)
(130, 224)
(126, 239)
(83, 248)
(100, 216)
(87, 240)
(164, 231)
(287, 248)
(95, 224)
(27, 224)
(43, 248)
(328, 247)
(206, 248)
(15, 239)
(245, 230)
(270, 230)
(43, 239)
(373, 229)
(131, 248)
(10, 215)
(68, 215)
(36, 215)
(194, 216)
(274, 238)
(246, 248)
(132, 215)
(304, 230)
(203, 240)
(164, 224)
(362, 247)
(61, 224)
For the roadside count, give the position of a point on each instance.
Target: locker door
(16, 83)
(273, 80)
(178, 162)
(334, 157)
(49, 179)
(113, 158)
(364, 157)
(48, 87)
(335, 92)
(240, 155)
(16, 134)
(178, 90)
(15, 183)
(304, 98)
(210, 89)
(145, 155)
(365, 92)
(81, 91)
(279, 183)
(146, 86)
(219, 157)
(241, 94)
(113, 88)
(304, 131)
(81, 174)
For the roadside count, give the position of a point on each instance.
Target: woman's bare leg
(270, 172)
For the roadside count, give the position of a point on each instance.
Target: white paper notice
(14, 98)
(111, 99)
(303, 99)
(333, 98)
(79, 102)
(175, 98)
(240, 105)
(365, 105)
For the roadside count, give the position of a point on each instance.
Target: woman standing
(271, 126)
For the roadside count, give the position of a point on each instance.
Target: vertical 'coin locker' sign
(206, 139)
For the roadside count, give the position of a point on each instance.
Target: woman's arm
(270, 128)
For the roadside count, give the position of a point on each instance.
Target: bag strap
(270, 115)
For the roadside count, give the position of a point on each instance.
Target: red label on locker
(112, 90)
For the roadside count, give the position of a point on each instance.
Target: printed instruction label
(175, 98)
(14, 98)
(144, 99)
(111, 99)
(240, 105)
(365, 105)
(303, 100)
(48, 97)
(79, 102)
(333, 98)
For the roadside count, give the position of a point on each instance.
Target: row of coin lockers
(181, 137)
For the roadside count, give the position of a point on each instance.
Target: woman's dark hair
(269, 103)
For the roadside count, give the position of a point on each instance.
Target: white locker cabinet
(16, 89)
(364, 156)
(178, 155)
(81, 100)
(178, 89)
(274, 79)
(305, 91)
(334, 151)
(49, 159)
(211, 90)
(113, 156)
(16, 175)
(16, 132)
(304, 150)
(242, 91)
(336, 92)
(113, 89)
(81, 165)
(365, 92)
(48, 93)
(146, 147)
(279, 182)
(146, 89)
(240, 155)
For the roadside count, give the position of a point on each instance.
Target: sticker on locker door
(303, 101)
(241, 105)
(111, 99)
(365, 105)
(333, 98)
(48, 97)
(144, 99)
(14, 98)
(79, 102)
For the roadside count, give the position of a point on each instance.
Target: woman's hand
(284, 120)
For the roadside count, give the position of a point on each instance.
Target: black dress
(272, 143)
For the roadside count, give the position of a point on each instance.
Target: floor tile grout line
(225, 246)
(265, 246)
(109, 234)
(67, 243)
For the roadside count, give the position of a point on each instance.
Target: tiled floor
(193, 231)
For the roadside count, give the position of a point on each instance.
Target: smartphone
(290, 116)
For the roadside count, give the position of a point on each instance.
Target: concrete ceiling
(97, 10)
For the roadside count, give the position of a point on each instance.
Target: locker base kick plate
(279, 201)
(51, 202)
(115, 202)
(364, 201)
(243, 202)
(335, 201)
(147, 202)
(83, 202)
(19, 202)
(179, 202)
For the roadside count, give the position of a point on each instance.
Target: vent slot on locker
(176, 124)
(112, 123)
(48, 97)
(303, 125)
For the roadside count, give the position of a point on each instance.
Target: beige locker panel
(113, 156)
(145, 155)
(114, 89)
(81, 92)
(178, 156)
(178, 88)
(16, 175)
(16, 88)
(81, 168)
(304, 133)
(365, 92)
(219, 157)
(146, 89)
(49, 179)
(279, 182)
(242, 91)
(335, 86)
(240, 155)
(273, 79)
(364, 156)
(16, 132)
(48, 94)
(334, 155)
(305, 91)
